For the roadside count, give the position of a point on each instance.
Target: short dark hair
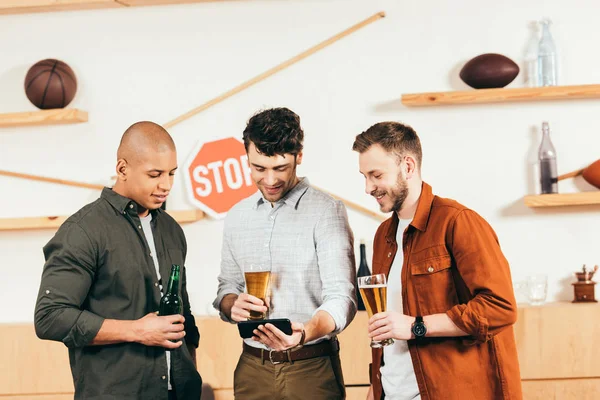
(275, 131)
(393, 137)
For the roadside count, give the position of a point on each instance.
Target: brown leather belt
(321, 349)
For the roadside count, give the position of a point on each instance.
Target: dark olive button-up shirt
(99, 266)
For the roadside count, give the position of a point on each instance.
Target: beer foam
(381, 285)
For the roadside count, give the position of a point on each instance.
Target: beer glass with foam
(257, 284)
(373, 290)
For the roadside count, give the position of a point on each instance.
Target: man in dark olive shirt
(103, 280)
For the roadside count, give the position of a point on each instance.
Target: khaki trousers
(315, 379)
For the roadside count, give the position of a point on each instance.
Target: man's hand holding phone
(275, 339)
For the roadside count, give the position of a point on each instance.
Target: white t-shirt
(147, 228)
(397, 374)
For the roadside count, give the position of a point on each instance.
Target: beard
(397, 194)
(285, 187)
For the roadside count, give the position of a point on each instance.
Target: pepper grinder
(584, 287)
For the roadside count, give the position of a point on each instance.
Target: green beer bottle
(171, 302)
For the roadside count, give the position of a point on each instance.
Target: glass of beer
(373, 290)
(257, 284)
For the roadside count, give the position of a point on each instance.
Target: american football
(489, 70)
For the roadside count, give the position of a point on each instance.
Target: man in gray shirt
(303, 236)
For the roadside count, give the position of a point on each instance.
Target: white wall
(158, 62)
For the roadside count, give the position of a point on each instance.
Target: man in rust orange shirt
(451, 304)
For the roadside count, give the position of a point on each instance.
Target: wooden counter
(558, 356)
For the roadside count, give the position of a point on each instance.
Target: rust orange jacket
(453, 264)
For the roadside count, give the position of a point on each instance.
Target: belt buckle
(271, 358)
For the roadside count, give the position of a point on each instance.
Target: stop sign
(218, 176)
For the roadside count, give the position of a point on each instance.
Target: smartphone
(246, 328)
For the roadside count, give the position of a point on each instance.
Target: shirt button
(156, 284)
(389, 254)
(139, 227)
(47, 292)
(131, 206)
(164, 377)
(430, 269)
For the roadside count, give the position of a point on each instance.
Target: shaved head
(143, 138)
(146, 164)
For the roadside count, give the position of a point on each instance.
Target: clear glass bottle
(531, 57)
(547, 64)
(547, 158)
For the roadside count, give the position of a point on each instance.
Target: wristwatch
(418, 327)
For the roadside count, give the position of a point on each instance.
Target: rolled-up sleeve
(66, 279)
(334, 244)
(231, 279)
(486, 273)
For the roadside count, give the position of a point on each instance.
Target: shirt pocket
(434, 284)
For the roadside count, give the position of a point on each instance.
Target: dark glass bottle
(171, 302)
(547, 158)
(363, 270)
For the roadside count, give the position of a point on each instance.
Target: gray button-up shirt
(306, 240)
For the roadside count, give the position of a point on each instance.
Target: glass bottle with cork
(363, 270)
(547, 160)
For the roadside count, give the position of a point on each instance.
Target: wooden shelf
(44, 117)
(34, 6)
(14, 224)
(186, 216)
(566, 199)
(480, 96)
(136, 3)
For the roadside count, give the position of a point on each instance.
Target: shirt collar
(421, 217)
(423, 208)
(124, 204)
(292, 198)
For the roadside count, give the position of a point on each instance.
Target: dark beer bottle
(363, 270)
(171, 302)
(547, 157)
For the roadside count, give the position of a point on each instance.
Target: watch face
(419, 329)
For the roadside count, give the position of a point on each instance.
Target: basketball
(50, 84)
